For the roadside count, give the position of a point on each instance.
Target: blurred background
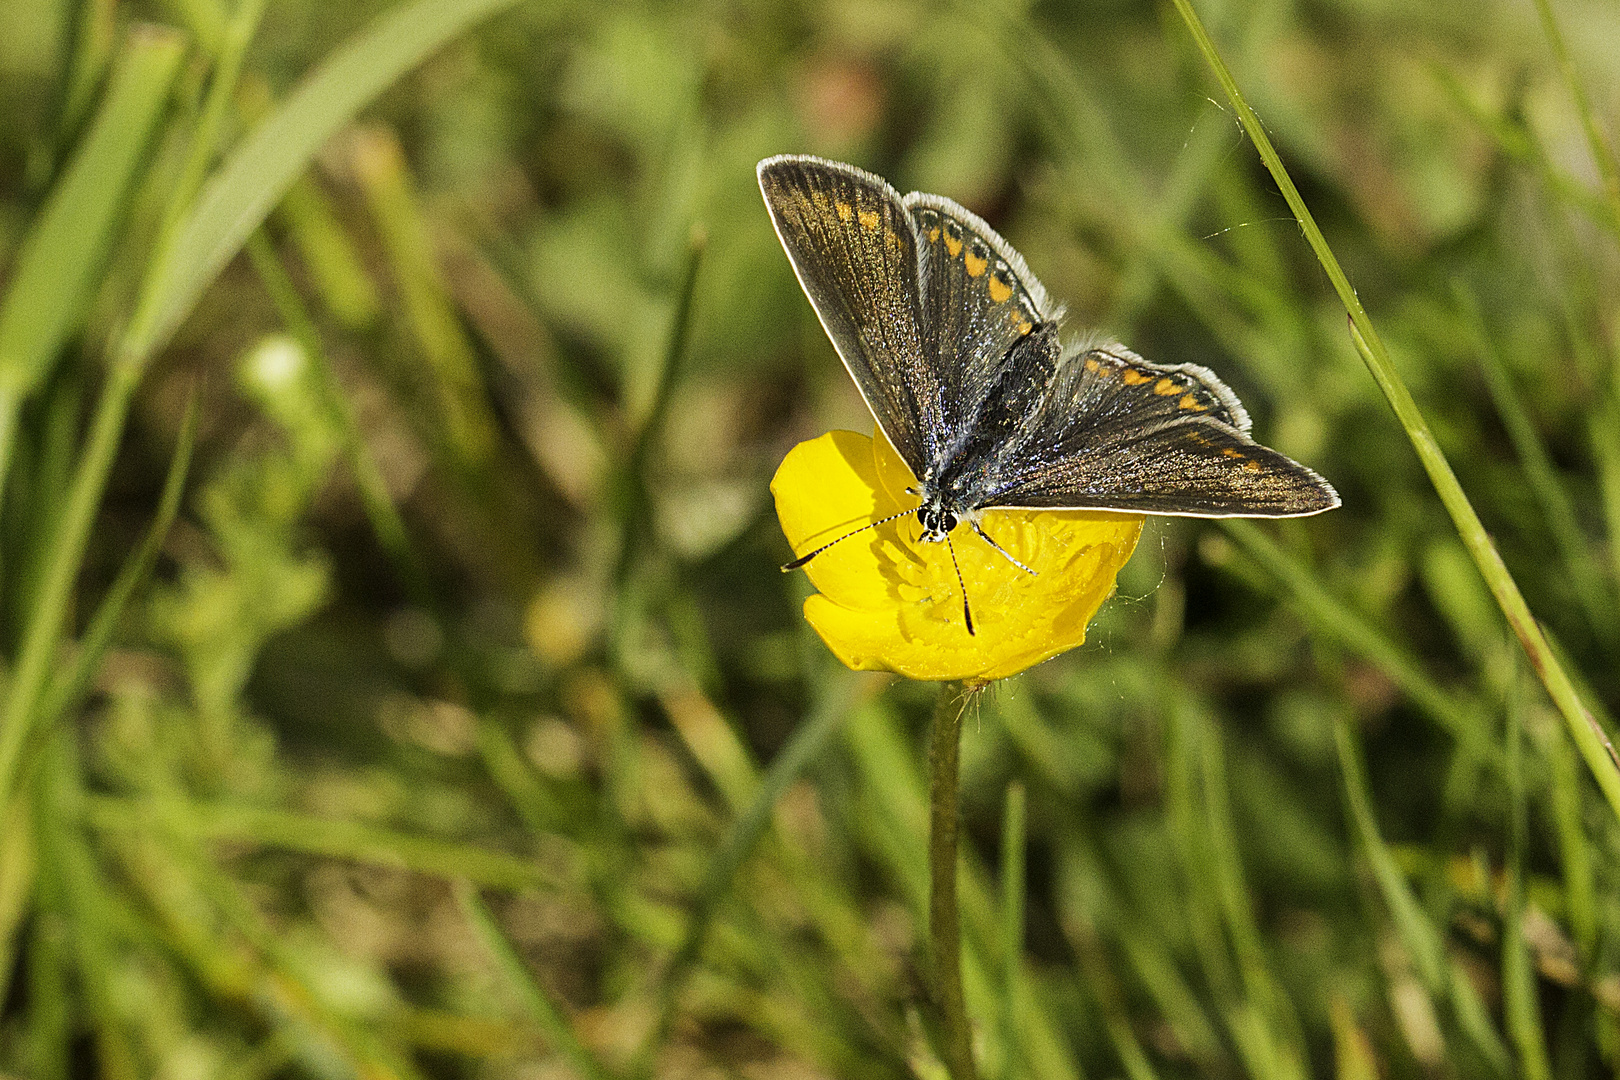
(461, 723)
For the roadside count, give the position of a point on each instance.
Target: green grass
(398, 681)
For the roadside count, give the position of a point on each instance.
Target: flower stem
(944, 928)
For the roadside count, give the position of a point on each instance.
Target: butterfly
(954, 345)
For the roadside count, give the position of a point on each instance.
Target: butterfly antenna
(1005, 554)
(802, 559)
(967, 613)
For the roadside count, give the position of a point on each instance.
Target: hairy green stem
(944, 922)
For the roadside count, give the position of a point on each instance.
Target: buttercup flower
(889, 603)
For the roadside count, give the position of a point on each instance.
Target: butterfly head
(936, 521)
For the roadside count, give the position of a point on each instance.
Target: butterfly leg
(967, 612)
(1004, 552)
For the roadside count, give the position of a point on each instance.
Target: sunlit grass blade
(839, 692)
(1012, 929)
(95, 36)
(1337, 619)
(536, 1001)
(329, 837)
(454, 384)
(83, 894)
(1519, 144)
(1599, 756)
(336, 270)
(1255, 969)
(1519, 991)
(61, 260)
(205, 19)
(1587, 580)
(18, 880)
(1422, 940)
(1188, 831)
(71, 685)
(384, 516)
(1353, 1055)
(1417, 933)
(1598, 143)
(260, 169)
(1574, 848)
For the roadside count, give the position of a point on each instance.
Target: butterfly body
(954, 346)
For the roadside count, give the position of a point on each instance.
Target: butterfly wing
(978, 300)
(1118, 433)
(854, 248)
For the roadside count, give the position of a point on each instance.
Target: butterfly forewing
(1118, 433)
(978, 300)
(854, 249)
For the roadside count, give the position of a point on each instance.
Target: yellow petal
(888, 602)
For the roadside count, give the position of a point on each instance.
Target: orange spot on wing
(1136, 378)
(1251, 466)
(845, 211)
(953, 245)
(1092, 365)
(975, 265)
(1166, 387)
(1231, 453)
(869, 219)
(933, 235)
(1000, 291)
(1025, 327)
(1189, 402)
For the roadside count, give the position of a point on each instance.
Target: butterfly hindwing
(1118, 433)
(854, 248)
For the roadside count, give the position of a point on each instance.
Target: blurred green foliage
(464, 725)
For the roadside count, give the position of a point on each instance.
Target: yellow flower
(889, 603)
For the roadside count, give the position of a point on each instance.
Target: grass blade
(331, 838)
(809, 740)
(70, 687)
(1585, 571)
(60, 262)
(261, 169)
(386, 523)
(1593, 742)
(455, 385)
(1422, 940)
(1012, 929)
(1520, 1004)
(1341, 622)
(545, 1012)
(1597, 143)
